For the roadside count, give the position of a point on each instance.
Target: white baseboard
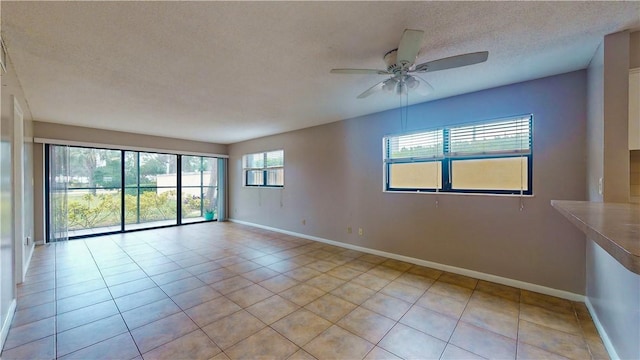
(6, 323)
(603, 333)
(453, 269)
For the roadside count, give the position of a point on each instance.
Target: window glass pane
(254, 160)
(420, 175)
(275, 177)
(254, 177)
(490, 174)
(504, 136)
(275, 158)
(93, 168)
(420, 145)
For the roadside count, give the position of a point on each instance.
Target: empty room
(319, 180)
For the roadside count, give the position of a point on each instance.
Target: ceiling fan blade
(409, 47)
(424, 88)
(360, 71)
(375, 88)
(453, 62)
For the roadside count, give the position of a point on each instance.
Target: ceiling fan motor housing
(390, 59)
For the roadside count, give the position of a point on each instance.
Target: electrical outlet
(349, 230)
(600, 186)
(360, 232)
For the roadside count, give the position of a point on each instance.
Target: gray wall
(97, 136)
(595, 125)
(334, 180)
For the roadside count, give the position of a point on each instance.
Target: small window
(264, 169)
(489, 157)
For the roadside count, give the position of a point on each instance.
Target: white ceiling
(229, 71)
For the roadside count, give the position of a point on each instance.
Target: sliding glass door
(96, 191)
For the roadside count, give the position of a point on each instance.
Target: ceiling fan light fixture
(411, 82)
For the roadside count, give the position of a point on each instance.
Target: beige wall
(634, 50)
(595, 125)
(334, 180)
(11, 88)
(616, 117)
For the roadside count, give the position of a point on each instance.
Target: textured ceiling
(229, 71)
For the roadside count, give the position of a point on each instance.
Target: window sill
(458, 194)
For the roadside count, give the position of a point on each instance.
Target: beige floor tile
(397, 265)
(353, 293)
(283, 266)
(138, 299)
(278, 283)
(301, 326)
(344, 272)
(530, 352)
(558, 342)
(118, 347)
(371, 281)
(195, 345)
(450, 290)
(36, 299)
(322, 265)
(228, 331)
(564, 321)
(230, 285)
(416, 281)
(409, 343)
(260, 274)
(249, 295)
(495, 303)
(82, 300)
(160, 332)
(171, 276)
(272, 309)
(131, 287)
(425, 271)
(302, 273)
(40, 349)
(330, 307)
(337, 343)
(81, 288)
(266, 343)
(460, 280)
(387, 305)
(483, 342)
(503, 291)
(384, 272)
(195, 297)
(491, 320)
(89, 334)
(302, 294)
(430, 322)
(27, 333)
(402, 291)
(85, 315)
(243, 267)
(378, 353)
(216, 275)
(149, 313)
(206, 313)
(452, 352)
(34, 313)
(202, 268)
(301, 355)
(360, 265)
(366, 324)
(373, 259)
(545, 301)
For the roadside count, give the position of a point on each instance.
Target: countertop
(613, 226)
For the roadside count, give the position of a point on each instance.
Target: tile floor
(226, 291)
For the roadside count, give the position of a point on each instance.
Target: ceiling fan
(401, 67)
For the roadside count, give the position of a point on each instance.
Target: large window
(489, 157)
(264, 169)
(96, 191)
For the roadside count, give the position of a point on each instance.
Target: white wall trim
(6, 324)
(453, 269)
(123, 147)
(603, 333)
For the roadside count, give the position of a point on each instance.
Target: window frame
(447, 158)
(265, 168)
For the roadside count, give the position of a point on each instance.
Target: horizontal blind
(275, 158)
(423, 145)
(499, 137)
(254, 161)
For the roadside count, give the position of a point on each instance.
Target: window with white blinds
(487, 157)
(264, 169)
